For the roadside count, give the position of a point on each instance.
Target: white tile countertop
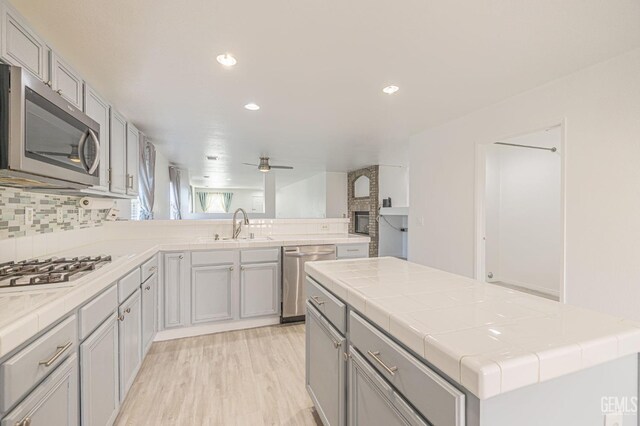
(489, 339)
(24, 313)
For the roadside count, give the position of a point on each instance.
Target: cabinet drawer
(95, 312)
(352, 251)
(53, 402)
(256, 256)
(332, 308)
(213, 257)
(149, 267)
(128, 284)
(436, 399)
(33, 363)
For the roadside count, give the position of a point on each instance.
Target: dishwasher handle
(311, 253)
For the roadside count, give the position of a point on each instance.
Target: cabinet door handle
(59, 91)
(24, 422)
(181, 257)
(242, 268)
(231, 268)
(376, 356)
(58, 354)
(152, 269)
(319, 301)
(147, 288)
(128, 310)
(121, 317)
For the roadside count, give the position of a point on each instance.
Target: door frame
(480, 216)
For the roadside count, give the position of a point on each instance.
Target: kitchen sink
(211, 240)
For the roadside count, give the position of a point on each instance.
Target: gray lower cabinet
(325, 369)
(176, 290)
(149, 311)
(129, 336)
(53, 403)
(99, 381)
(211, 288)
(372, 401)
(259, 287)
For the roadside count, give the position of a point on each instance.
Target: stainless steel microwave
(45, 142)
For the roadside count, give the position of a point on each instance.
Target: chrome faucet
(237, 227)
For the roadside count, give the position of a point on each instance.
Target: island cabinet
(325, 368)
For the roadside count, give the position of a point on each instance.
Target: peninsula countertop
(487, 338)
(26, 312)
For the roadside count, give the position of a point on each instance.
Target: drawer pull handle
(128, 310)
(352, 250)
(121, 317)
(376, 356)
(318, 300)
(58, 354)
(147, 288)
(152, 269)
(231, 268)
(24, 422)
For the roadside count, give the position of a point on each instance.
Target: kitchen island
(438, 348)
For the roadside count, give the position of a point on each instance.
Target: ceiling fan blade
(249, 164)
(282, 167)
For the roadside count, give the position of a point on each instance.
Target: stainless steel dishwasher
(293, 277)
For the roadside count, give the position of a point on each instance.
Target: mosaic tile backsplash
(45, 207)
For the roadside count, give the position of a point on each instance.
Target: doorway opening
(520, 213)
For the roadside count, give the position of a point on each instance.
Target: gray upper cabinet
(98, 109)
(21, 46)
(130, 342)
(53, 403)
(66, 81)
(133, 159)
(149, 311)
(259, 286)
(175, 290)
(99, 375)
(118, 154)
(325, 369)
(211, 288)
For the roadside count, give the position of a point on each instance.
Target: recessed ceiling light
(252, 107)
(212, 157)
(390, 90)
(227, 60)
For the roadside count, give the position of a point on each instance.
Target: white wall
(319, 196)
(601, 109)
(524, 233)
(305, 198)
(336, 195)
(394, 183)
(161, 205)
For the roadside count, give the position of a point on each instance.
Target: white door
(66, 81)
(130, 338)
(211, 293)
(133, 159)
(259, 286)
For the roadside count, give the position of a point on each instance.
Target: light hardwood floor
(247, 377)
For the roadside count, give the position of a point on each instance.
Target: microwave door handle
(81, 143)
(96, 161)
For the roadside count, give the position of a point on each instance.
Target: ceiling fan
(264, 165)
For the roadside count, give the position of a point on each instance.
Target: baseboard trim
(200, 330)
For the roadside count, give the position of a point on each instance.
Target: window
(210, 202)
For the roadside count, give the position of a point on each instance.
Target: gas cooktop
(48, 271)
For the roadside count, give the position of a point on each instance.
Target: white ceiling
(317, 69)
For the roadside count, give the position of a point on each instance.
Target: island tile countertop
(487, 338)
(26, 312)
